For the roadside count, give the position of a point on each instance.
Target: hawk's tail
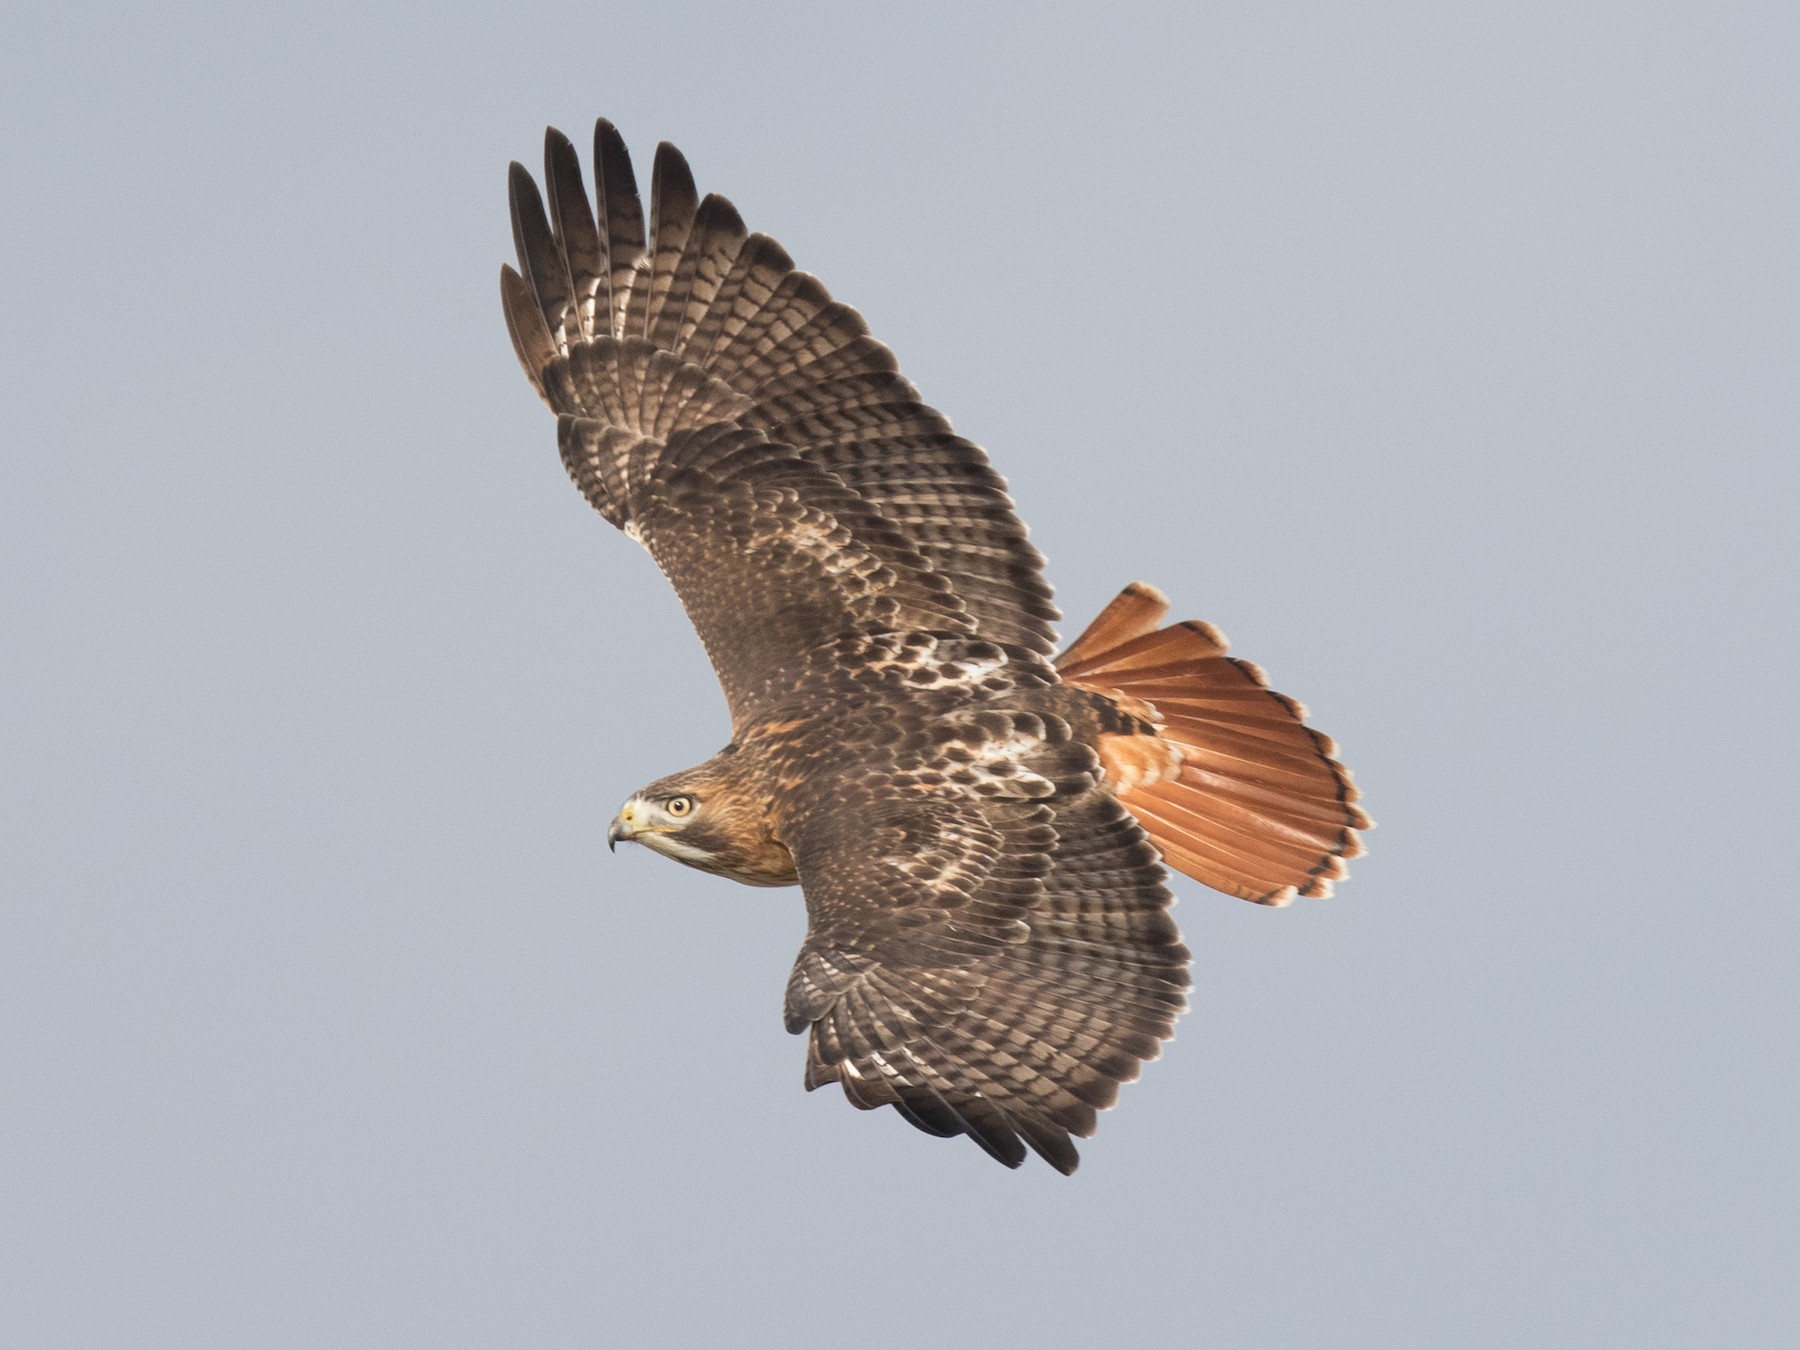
(1252, 802)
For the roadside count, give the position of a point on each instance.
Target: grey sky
(1445, 359)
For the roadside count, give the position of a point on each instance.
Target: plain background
(1445, 356)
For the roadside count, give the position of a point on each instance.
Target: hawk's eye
(679, 806)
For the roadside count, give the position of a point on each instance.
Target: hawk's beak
(624, 826)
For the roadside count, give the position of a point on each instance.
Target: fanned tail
(1252, 801)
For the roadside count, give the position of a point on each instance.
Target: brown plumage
(978, 827)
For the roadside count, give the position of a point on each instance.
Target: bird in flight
(979, 825)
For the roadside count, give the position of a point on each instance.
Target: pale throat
(672, 846)
(770, 867)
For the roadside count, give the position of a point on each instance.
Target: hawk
(979, 825)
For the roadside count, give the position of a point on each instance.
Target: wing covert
(772, 556)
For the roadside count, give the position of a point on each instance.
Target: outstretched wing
(638, 330)
(993, 959)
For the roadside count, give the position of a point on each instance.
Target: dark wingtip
(671, 166)
(522, 196)
(612, 160)
(672, 180)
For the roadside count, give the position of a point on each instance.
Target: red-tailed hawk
(979, 825)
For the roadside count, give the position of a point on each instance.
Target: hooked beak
(632, 822)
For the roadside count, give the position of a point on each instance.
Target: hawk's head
(704, 819)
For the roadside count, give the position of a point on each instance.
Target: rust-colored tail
(1254, 802)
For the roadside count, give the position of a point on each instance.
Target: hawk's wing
(636, 330)
(993, 961)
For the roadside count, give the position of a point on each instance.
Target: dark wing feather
(993, 958)
(621, 219)
(787, 359)
(582, 246)
(674, 204)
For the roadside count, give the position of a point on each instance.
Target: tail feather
(1186, 812)
(1168, 653)
(1277, 803)
(1248, 714)
(1257, 803)
(1133, 613)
